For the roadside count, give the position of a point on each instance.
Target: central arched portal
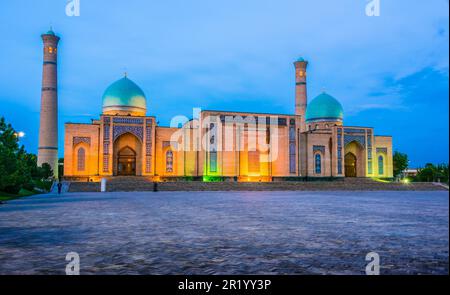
(126, 162)
(350, 165)
(127, 152)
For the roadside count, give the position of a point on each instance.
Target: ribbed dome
(324, 108)
(124, 97)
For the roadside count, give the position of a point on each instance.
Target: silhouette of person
(59, 187)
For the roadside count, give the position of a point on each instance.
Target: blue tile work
(318, 163)
(361, 139)
(340, 150)
(137, 121)
(119, 130)
(148, 146)
(226, 232)
(319, 148)
(369, 152)
(292, 147)
(79, 139)
(106, 143)
(355, 130)
(382, 150)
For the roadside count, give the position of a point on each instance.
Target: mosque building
(216, 145)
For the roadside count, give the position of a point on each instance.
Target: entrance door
(126, 162)
(350, 165)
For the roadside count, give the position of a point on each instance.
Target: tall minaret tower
(300, 90)
(48, 129)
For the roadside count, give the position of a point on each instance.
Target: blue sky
(389, 72)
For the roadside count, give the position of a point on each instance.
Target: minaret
(48, 128)
(300, 90)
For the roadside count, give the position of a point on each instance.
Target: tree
(18, 169)
(433, 173)
(400, 161)
(45, 171)
(14, 171)
(443, 168)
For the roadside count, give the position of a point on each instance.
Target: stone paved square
(226, 232)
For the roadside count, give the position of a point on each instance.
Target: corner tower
(300, 89)
(48, 128)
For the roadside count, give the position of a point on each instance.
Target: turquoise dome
(50, 32)
(324, 108)
(124, 96)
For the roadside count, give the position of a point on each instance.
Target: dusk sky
(389, 72)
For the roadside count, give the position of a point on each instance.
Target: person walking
(59, 187)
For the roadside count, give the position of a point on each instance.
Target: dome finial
(51, 32)
(324, 90)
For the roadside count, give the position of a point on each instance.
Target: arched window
(316, 127)
(81, 165)
(169, 161)
(213, 161)
(318, 162)
(380, 165)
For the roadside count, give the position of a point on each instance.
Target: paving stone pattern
(226, 232)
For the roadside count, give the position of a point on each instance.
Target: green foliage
(42, 184)
(22, 193)
(45, 171)
(13, 172)
(18, 169)
(400, 161)
(433, 173)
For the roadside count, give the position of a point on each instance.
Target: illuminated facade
(229, 146)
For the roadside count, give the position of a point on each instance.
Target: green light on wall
(208, 178)
(211, 166)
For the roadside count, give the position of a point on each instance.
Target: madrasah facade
(215, 145)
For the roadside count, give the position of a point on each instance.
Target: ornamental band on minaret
(48, 128)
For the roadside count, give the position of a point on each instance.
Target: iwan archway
(127, 155)
(355, 160)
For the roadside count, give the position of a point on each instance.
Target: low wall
(253, 186)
